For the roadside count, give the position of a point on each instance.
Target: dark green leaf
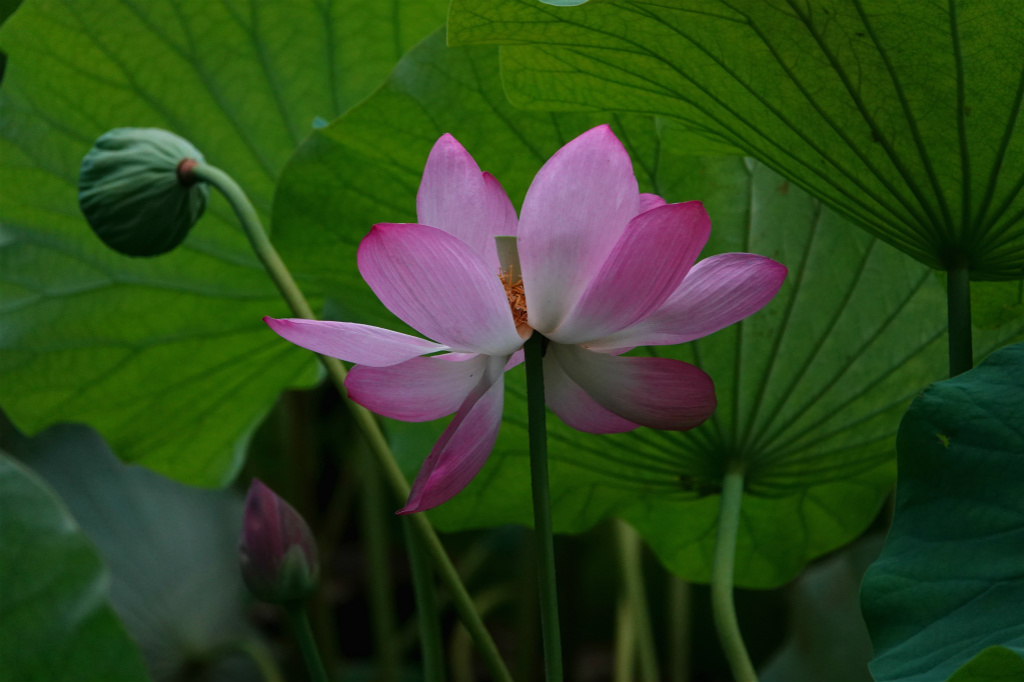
(903, 117)
(994, 304)
(7, 8)
(994, 664)
(56, 624)
(172, 550)
(365, 168)
(949, 582)
(166, 357)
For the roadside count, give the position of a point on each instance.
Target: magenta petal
(718, 291)
(574, 407)
(505, 222)
(646, 266)
(517, 359)
(417, 390)
(352, 342)
(573, 214)
(440, 287)
(462, 449)
(649, 201)
(657, 392)
(455, 196)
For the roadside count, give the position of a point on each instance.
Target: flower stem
(527, 617)
(679, 629)
(537, 416)
(265, 251)
(367, 423)
(633, 580)
(958, 303)
(380, 587)
(300, 626)
(625, 641)
(426, 607)
(722, 575)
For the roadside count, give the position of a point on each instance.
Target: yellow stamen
(516, 296)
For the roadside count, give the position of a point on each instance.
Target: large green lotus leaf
(950, 580)
(994, 304)
(171, 549)
(901, 116)
(365, 167)
(166, 357)
(56, 624)
(810, 389)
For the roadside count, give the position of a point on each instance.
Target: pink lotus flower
(603, 269)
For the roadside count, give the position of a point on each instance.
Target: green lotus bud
(136, 192)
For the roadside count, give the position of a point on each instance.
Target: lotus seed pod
(132, 194)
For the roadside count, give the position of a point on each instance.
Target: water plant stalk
(722, 606)
(625, 641)
(958, 304)
(299, 623)
(631, 565)
(377, 547)
(365, 419)
(527, 618)
(679, 608)
(427, 616)
(537, 418)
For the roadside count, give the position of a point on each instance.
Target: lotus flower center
(513, 283)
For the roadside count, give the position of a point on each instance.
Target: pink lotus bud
(277, 551)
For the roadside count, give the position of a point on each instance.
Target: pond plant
(763, 262)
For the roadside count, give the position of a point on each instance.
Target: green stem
(958, 302)
(722, 575)
(302, 468)
(527, 617)
(679, 601)
(625, 641)
(382, 603)
(460, 598)
(265, 251)
(426, 607)
(537, 416)
(633, 580)
(463, 669)
(364, 418)
(300, 626)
